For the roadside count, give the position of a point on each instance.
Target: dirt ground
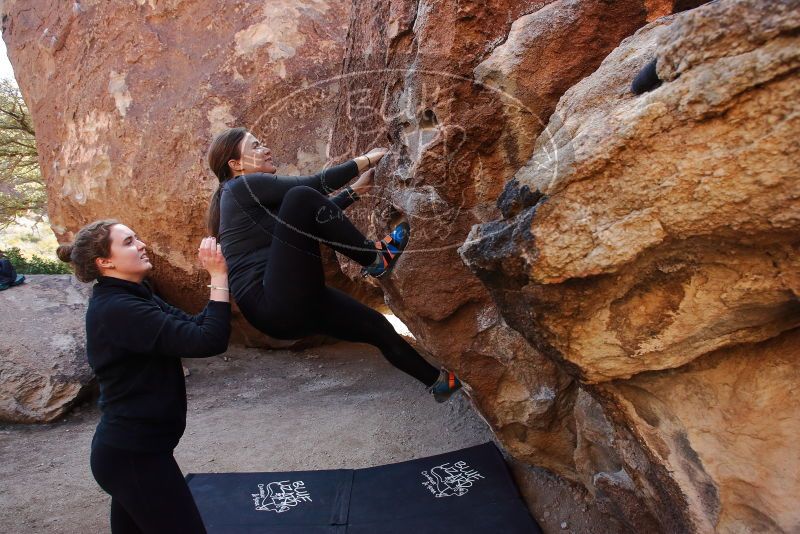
(336, 406)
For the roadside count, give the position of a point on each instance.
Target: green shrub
(36, 264)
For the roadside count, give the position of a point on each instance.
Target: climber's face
(255, 157)
(127, 258)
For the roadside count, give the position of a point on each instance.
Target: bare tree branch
(22, 189)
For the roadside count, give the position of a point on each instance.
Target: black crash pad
(464, 491)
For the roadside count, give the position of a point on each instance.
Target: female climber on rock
(270, 228)
(134, 343)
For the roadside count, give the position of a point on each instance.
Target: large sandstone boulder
(126, 97)
(43, 368)
(650, 246)
(462, 93)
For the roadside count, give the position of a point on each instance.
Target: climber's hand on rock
(376, 154)
(364, 184)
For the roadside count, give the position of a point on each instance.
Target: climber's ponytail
(224, 148)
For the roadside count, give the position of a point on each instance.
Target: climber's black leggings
(148, 491)
(295, 302)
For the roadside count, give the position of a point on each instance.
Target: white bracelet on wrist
(218, 287)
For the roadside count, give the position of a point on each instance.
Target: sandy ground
(337, 406)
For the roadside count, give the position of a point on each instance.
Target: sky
(5, 65)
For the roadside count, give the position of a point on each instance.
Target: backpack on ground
(8, 275)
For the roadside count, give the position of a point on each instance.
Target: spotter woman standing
(134, 343)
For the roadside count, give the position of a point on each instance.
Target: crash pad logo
(450, 480)
(280, 496)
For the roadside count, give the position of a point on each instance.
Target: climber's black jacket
(248, 209)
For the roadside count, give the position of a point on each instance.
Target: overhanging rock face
(460, 95)
(652, 250)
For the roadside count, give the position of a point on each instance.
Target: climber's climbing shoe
(646, 80)
(391, 247)
(447, 384)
